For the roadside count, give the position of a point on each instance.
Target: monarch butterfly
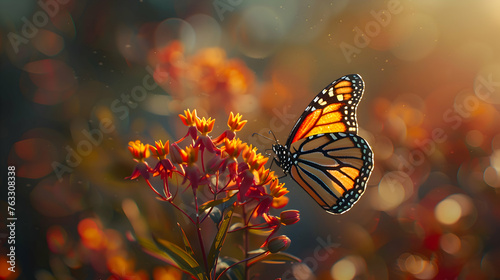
(323, 153)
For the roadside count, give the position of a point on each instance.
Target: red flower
(178, 155)
(141, 169)
(247, 180)
(165, 168)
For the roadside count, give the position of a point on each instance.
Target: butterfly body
(323, 153)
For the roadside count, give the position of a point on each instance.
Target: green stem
(182, 211)
(151, 186)
(198, 231)
(245, 260)
(245, 241)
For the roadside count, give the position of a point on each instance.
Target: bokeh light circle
(474, 138)
(491, 177)
(33, 157)
(54, 198)
(419, 266)
(450, 243)
(348, 267)
(48, 42)
(207, 30)
(343, 270)
(448, 211)
(258, 32)
(393, 189)
(175, 29)
(53, 79)
(302, 271)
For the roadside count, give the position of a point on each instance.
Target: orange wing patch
(343, 87)
(346, 181)
(307, 124)
(328, 120)
(351, 172)
(332, 127)
(307, 187)
(332, 108)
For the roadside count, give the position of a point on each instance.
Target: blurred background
(80, 79)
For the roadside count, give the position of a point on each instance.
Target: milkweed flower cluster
(209, 70)
(241, 192)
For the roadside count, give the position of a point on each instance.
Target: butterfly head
(284, 157)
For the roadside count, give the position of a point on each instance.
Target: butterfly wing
(333, 168)
(332, 110)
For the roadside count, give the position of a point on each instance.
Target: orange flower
(265, 175)
(238, 77)
(161, 149)
(205, 126)
(233, 147)
(205, 69)
(279, 202)
(171, 67)
(277, 190)
(178, 155)
(235, 123)
(192, 155)
(139, 150)
(172, 54)
(255, 161)
(190, 118)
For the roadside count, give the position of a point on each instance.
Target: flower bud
(177, 154)
(289, 217)
(215, 214)
(278, 243)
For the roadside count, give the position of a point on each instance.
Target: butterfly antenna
(265, 137)
(274, 136)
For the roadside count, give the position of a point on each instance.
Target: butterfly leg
(277, 162)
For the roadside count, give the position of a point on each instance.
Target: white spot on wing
(330, 92)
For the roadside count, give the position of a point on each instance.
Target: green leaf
(183, 259)
(185, 240)
(260, 232)
(236, 226)
(234, 273)
(173, 254)
(256, 251)
(279, 258)
(220, 237)
(212, 203)
(150, 247)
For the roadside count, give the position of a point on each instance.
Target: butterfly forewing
(332, 110)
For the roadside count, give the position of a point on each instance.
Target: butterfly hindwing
(332, 110)
(333, 168)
